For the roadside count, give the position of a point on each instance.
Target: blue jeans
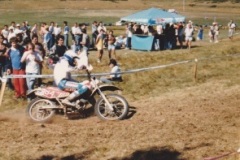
(31, 81)
(129, 42)
(66, 84)
(77, 43)
(66, 40)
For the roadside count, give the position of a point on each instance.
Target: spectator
(231, 29)
(111, 47)
(94, 33)
(57, 32)
(47, 40)
(25, 30)
(211, 34)
(52, 34)
(120, 42)
(20, 39)
(4, 61)
(66, 31)
(15, 54)
(99, 45)
(76, 31)
(5, 31)
(3, 49)
(34, 30)
(167, 37)
(189, 35)
(17, 30)
(200, 33)
(40, 49)
(180, 35)
(13, 25)
(11, 33)
(33, 60)
(216, 32)
(42, 30)
(129, 33)
(114, 74)
(137, 29)
(101, 26)
(85, 43)
(59, 49)
(172, 36)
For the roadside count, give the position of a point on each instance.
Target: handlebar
(88, 75)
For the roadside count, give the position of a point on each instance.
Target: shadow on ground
(154, 153)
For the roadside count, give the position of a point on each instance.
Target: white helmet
(70, 56)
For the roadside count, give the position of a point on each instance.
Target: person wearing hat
(11, 33)
(115, 74)
(216, 32)
(18, 30)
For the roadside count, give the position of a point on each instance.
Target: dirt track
(193, 123)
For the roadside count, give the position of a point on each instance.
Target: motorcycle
(47, 102)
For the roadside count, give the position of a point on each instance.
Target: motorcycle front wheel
(37, 111)
(119, 105)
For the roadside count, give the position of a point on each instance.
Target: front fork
(110, 107)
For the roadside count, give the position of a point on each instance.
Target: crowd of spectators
(24, 47)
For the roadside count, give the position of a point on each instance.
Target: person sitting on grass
(115, 74)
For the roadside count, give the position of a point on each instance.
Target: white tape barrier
(123, 72)
(98, 74)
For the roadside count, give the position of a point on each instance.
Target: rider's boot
(71, 97)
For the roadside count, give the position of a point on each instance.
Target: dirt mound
(191, 123)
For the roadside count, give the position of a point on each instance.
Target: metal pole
(183, 5)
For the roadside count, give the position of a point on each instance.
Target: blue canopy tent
(152, 16)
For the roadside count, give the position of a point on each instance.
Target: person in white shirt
(11, 33)
(115, 74)
(159, 29)
(76, 31)
(18, 30)
(62, 75)
(231, 29)
(189, 35)
(101, 26)
(57, 30)
(5, 31)
(33, 61)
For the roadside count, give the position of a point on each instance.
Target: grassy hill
(173, 116)
(109, 11)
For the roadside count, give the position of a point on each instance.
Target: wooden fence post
(195, 70)
(3, 87)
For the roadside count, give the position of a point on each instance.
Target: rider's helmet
(70, 56)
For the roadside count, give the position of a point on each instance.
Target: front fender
(106, 88)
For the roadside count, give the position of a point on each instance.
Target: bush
(213, 6)
(192, 4)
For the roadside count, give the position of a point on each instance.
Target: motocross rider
(62, 76)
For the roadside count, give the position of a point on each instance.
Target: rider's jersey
(62, 71)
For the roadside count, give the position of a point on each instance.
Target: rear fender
(33, 91)
(106, 88)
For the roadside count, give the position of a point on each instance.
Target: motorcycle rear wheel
(37, 113)
(119, 104)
